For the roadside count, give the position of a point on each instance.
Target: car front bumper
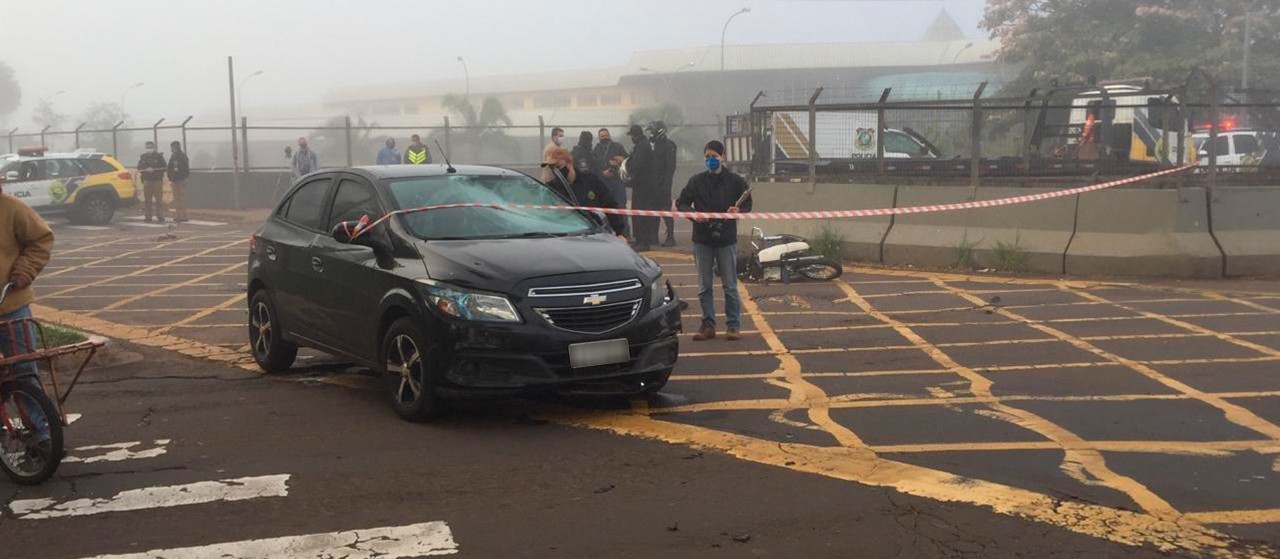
(488, 359)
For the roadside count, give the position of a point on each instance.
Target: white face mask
(559, 140)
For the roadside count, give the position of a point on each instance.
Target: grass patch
(966, 253)
(58, 336)
(826, 241)
(1009, 257)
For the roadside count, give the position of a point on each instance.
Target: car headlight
(468, 305)
(660, 293)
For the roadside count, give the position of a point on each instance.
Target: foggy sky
(94, 49)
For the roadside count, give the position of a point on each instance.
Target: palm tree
(330, 141)
(482, 131)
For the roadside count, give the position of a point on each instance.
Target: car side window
(30, 171)
(68, 168)
(1220, 146)
(353, 201)
(1246, 144)
(306, 207)
(96, 166)
(897, 142)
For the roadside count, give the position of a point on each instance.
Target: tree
(482, 131)
(1075, 40)
(101, 117)
(45, 115)
(330, 141)
(10, 91)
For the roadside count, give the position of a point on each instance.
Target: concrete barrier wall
(1036, 233)
(1145, 232)
(862, 237)
(1246, 223)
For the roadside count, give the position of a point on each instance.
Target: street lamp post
(723, 34)
(466, 72)
(52, 96)
(956, 60)
(126, 92)
(240, 91)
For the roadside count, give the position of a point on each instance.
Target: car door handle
(317, 264)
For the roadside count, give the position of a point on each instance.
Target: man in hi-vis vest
(417, 152)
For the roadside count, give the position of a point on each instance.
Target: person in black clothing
(664, 156)
(583, 157)
(583, 188)
(644, 183)
(152, 167)
(178, 170)
(605, 151)
(715, 242)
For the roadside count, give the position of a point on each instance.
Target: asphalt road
(893, 413)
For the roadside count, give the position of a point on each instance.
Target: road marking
(231, 302)
(88, 228)
(1262, 516)
(153, 246)
(1088, 461)
(1234, 413)
(402, 542)
(240, 489)
(73, 417)
(117, 452)
(151, 225)
(188, 222)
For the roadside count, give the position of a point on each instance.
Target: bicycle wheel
(30, 436)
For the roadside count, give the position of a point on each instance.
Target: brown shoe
(705, 333)
(733, 335)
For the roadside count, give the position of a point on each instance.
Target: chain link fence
(1106, 129)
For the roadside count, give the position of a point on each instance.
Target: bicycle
(31, 437)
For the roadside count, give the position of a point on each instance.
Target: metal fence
(1088, 130)
(338, 142)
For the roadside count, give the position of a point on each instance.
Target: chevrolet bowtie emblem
(594, 299)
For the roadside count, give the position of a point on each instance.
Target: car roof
(421, 171)
(16, 157)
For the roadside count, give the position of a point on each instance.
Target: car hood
(499, 264)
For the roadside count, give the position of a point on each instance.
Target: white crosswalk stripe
(117, 452)
(240, 489)
(402, 542)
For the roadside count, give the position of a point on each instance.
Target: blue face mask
(713, 164)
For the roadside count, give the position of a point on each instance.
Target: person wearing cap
(664, 155)
(151, 166)
(644, 180)
(178, 170)
(715, 241)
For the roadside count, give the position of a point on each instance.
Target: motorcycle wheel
(825, 270)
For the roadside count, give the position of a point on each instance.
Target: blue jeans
(25, 343)
(725, 259)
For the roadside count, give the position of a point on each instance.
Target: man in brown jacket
(25, 244)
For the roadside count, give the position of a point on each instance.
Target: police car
(86, 186)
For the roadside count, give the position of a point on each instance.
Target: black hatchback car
(457, 302)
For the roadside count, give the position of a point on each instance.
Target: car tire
(95, 209)
(270, 351)
(411, 376)
(658, 383)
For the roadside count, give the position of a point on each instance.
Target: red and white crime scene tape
(825, 214)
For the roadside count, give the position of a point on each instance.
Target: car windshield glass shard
(480, 223)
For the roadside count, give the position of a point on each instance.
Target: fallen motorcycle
(784, 258)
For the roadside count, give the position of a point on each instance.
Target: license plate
(594, 354)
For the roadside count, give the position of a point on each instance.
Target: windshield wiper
(530, 235)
